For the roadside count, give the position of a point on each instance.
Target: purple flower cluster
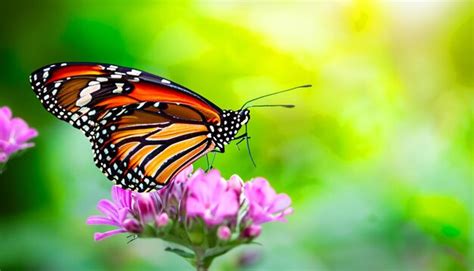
(14, 134)
(196, 210)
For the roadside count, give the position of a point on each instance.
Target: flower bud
(224, 233)
(162, 220)
(132, 225)
(252, 231)
(235, 183)
(196, 237)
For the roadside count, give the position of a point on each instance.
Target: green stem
(202, 264)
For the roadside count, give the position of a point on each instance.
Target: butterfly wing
(142, 147)
(144, 128)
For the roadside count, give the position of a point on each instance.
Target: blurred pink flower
(265, 204)
(210, 197)
(14, 134)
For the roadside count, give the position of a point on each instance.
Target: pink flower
(116, 213)
(14, 134)
(265, 204)
(231, 211)
(201, 212)
(211, 198)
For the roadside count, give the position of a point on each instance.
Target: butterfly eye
(243, 113)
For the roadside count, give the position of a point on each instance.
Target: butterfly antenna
(248, 146)
(271, 105)
(274, 93)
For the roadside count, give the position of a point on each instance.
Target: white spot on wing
(84, 100)
(134, 72)
(119, 88)
(90, 89)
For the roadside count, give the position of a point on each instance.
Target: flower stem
(202, 264)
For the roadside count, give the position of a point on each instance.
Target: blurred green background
(377, 156)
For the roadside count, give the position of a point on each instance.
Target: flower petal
(108, 208)
(122, 197)
(98, 236)
(280, 203)
(195, 207)
(99, 220)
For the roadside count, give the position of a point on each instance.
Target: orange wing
(81, 93)
(142, 147)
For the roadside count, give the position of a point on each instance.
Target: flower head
(265, 204)
(199, 211)
(14, 134)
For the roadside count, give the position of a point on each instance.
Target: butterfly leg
(248, 146)
(240, 141)
(132, 238)
(243, 136)
(209, 165)
(240, 138)
(212, 161)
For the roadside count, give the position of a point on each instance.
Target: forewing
(82, 93)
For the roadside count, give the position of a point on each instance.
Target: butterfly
(144, 129)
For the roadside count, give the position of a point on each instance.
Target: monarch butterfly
(144, 129)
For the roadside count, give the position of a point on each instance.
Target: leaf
(180, 252)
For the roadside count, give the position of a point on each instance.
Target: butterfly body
(144, 129)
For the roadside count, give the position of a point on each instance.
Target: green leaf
(180, 252)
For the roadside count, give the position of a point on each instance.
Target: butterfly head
(227, 129)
